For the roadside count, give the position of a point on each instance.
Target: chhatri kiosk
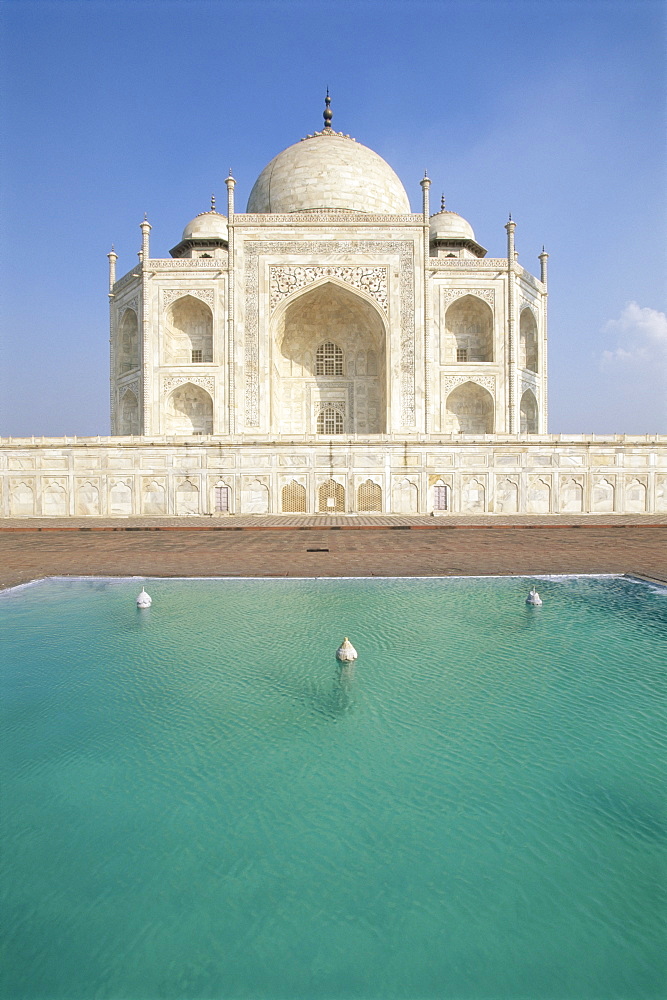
(330, 351)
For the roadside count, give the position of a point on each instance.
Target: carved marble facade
(328, 350)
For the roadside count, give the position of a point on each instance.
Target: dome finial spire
(442, 202)
(328, 113)
(213, 203)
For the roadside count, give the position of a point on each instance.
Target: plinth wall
(207, 475)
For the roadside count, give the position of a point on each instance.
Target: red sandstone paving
(360, 546)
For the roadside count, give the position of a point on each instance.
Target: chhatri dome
(206, 224)
(328, 170)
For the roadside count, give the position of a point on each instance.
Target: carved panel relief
(170, 295)
(287, 279)
(405, 251)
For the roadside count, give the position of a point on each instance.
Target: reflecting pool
(198, 803)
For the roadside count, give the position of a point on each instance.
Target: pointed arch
(120, 500)
(293, 497)
(469, 410)
(328, 344)
(602, 499)
(54, 500)
(539, 497)
(571, 496)
(468, 331)
(635, 497)
(406, 497)
(154, 498)
(128, 413)
(473, 497)
(369, 497)
(88, 499)
(528, 340)
(128, 342)
(528, 413)
(187, 497)
(255, 498)
(507, 496)
(22, 500)
(189, 410)
(330, 420)
(188, 334)
(331, 498)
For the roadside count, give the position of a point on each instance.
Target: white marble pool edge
(644, 581)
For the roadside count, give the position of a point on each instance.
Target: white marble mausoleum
(328, 350)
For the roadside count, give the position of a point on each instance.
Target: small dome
(207, 225)
(450, 226)
(328, 170)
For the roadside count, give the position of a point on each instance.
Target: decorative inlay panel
(170, 295)
(188, 264)
(295, 219)
(331, 404)
(130, 304)
(528, 384)
(170, 382)
(133, 385)
(405, 251)
(457, 264)
(287, 279)
(450, 382)
(449, 294)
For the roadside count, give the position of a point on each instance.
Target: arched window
(469, 410)
(329, 359)
(128, 342)
(331, 498)
(528, 413)
(330, 421)
(528, 340)
(469, 331)
(294, 498)
(188, 332)
(369, 496)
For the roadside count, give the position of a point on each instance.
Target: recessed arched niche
(469, 410)
(528, 413)
(188, 333)
(128, 342)
(128, 414)
(329, 350)
(468, 331)
(189, 410)
(528, 340)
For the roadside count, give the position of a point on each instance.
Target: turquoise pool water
(196, 804)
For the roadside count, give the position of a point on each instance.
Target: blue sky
(553, 111)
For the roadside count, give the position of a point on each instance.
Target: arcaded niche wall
(89, 477)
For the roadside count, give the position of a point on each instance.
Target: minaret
(231, 359)
(426, 186)
(543, 258)
(113, 257)
(145, 241)
(544, 407)
(511, 346)
(146, 409)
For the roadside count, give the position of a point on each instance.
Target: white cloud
(630, 395)
(641, 336)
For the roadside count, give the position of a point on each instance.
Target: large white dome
(328, 170)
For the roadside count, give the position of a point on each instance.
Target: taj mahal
(330, 351)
